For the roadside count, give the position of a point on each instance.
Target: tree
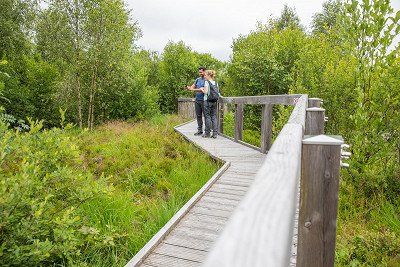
(92, 43)
(287, 19)
(16, 25)
(326, 20)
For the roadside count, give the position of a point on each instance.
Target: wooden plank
(239, 122)
(193, 243)
(181, 252)
(261, 100)
(314, 102)
(157, 238)
(231, 187)
(259, 232)
(207, 227)
(298, 115)
(266, 128)
(211, 211)
(167, 261)
(224, 195)
(219, 204)
(196, 218)
(196, 233)
(315, 121)
(320, 171)
(233, 182)
(227, 191)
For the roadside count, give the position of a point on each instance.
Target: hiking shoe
(198, 133)
(214, 136)
(206, 135)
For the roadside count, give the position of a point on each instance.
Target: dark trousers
(199, 109)
(210, 115)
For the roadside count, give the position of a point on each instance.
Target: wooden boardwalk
(187, 241)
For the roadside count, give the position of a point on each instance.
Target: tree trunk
(78, 89)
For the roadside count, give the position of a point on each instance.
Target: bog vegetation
(83, 124)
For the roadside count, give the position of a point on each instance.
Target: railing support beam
(266, 127)
(320, 168)
(239, 122)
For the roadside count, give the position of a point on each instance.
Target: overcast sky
(209, 26)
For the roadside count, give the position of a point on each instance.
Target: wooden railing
(260, 232)
(186, 106)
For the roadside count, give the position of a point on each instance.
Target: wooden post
(320, 168)
(220, 117)
(266, 127)
(314, 102)
(239, 122)
(315, 121)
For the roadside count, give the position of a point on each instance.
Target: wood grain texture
(315, 121)
(266, 128)
(262, 100)
(260, 231)
(298, 115)
(239, 122)
(318, 205)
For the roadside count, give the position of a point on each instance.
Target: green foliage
(351, 62)
(287, 19)
(327, 20)
(71, 197)
(177, 69)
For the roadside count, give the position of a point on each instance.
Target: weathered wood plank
(193, 243)
(259, 232)
(320, 170)
(239, 122)
(315, 121)
(156, 259)
(211, 211)
(224, 195)
(261, 100)
(266, 128)
(146, 250)
(181, 252)
(227, 191)
(298, 115)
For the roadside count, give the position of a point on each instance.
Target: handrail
(260, 231)
(262, 99)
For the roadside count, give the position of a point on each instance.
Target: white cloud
(210, 25)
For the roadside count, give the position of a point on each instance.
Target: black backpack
(213, 95)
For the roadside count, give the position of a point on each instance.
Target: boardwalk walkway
(190, 239)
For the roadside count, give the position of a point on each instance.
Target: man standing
(199, 103)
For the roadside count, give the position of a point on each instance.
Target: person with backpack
(211, 96)
(199, 102)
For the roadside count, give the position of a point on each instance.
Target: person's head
(209, 74)
(202, 71)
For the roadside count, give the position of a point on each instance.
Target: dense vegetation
(70, 197)
(351, 62)
(93, 191)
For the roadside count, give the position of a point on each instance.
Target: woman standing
(210, 104)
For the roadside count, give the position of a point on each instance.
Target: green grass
(79, 198)
(153, 171)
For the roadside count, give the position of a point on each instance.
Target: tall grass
(154, 172)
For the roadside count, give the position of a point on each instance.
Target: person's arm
(193, 87)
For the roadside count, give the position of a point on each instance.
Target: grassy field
(80, 198)
(154, 173)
